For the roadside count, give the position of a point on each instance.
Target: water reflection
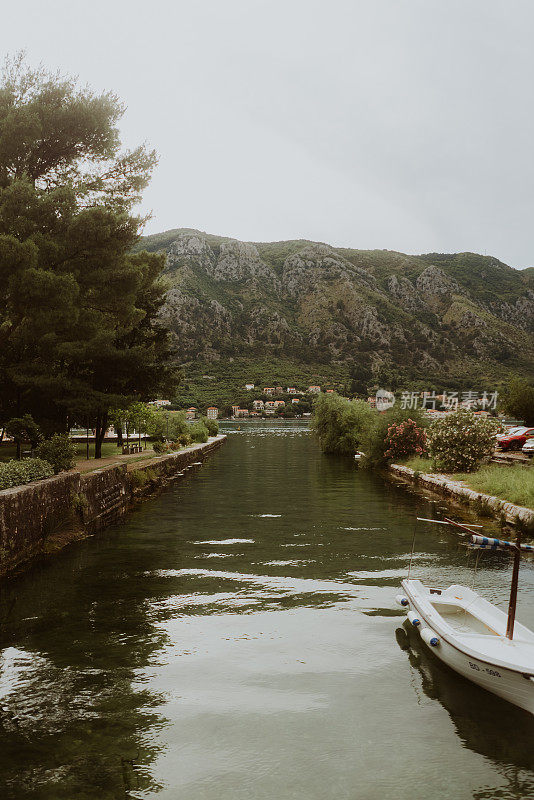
(487, 725)
(234, 640)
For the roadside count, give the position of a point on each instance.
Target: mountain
(373, 315)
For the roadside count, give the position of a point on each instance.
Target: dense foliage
(59, 451)
(341, 424)
(404, 439)
(460, 441)
(382, 435)
(79, 332)
(519, 400)
(15, 473)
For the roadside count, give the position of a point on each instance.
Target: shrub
(404, 439)
(16, 473)
(184, 440)
(340, 424)
(374, 441)
(198, 432)
(212, 425)
(460, 441)
(59, 451)
(160, 447)
(138, 478)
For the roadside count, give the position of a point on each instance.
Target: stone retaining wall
(458, 490)
(71, 505)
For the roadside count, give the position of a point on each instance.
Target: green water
(237, 638)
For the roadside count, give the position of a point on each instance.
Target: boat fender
(428, 636)
(414, 619)
(401, 600)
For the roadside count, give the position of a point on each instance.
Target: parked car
(528, 448)
(514, 439)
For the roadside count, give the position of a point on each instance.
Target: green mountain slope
(379, 316)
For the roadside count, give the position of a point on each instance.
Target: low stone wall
(459, 491)
(46, 515)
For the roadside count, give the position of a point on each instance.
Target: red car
(514, 439)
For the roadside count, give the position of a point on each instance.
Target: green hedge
(16, 473)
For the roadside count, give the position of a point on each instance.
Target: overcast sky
(398, 124)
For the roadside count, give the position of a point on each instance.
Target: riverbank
(447, 486)
(41, 518)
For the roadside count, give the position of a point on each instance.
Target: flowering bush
(15, 473)
(460, 441)
(404, 439)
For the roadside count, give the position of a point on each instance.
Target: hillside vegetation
(361, 317)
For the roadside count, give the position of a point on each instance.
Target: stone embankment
(458, 490)
(41, 517)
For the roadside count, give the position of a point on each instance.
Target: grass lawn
(512, 483)
(418, 464)
(515, 484)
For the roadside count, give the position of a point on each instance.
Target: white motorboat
(471, 635)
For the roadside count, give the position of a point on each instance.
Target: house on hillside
(279, 403)
(268, 390)
(212, 412)
(295, 400)
(314, 389)
(235, 411)
(279, 390)
(330, 391)
(291, 390)
(191, 413)
(269, 406)
(258, 405)
(159, 403)
(249, 386)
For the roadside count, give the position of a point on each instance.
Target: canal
(237, 639)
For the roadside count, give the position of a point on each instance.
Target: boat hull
(511, 685)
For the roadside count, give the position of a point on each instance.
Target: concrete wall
(460, 492)
(39, 516)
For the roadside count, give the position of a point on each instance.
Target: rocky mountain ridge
(314, 303)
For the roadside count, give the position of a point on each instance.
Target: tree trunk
(118, 431)
(100, 432)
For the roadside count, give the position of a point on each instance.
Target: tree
(518, 399)
(339, 423)
(79, 330)
(24, 429)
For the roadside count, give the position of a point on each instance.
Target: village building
(235, 411)
(270, 405)
(291, 390)
(330, 391)
(314, 389)
(295, 400)
(249, 386)
(212, 412)
(191, 413)
(279, 390)
(372, 401)
(258, 405)
(279, 403)
(159, 403)
(268, 390)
